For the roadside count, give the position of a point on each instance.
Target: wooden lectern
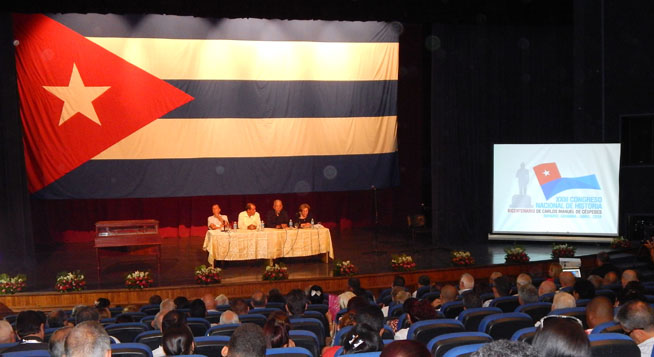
(135, 236)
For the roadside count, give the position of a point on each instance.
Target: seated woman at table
(304, 217)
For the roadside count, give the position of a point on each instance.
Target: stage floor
(179, 257)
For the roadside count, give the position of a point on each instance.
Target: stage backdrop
(161, 106)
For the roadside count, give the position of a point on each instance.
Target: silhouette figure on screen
(522, 200)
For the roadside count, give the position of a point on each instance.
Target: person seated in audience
(239, 306)
(527, 294)
(258, 299)
(198, 309)
(172, 319)
(7, 334)
(154, 300)
(448, 293)
(132, 308)
(88, 339)
(121, 319)
(598, 311)
(405, 348)
(217, 220)
(56, 344)
(209, 303)
(229, 317)
(546, 287)
(559, 336)
(315, 295)
(637, 320)
(501, 287)
(610, 279)
(471, 300)
(274, 295)
(596, 280)
(398, 296)
(417, 311)
(249, 219)
(247, 340)
(583, 289)
(466, 282)
(634, 290)
(553, 272)
(505, 348)
(57, 318)
(423, 282)
(86, 313)
(276, 330)
(102, 303)
(354, 285)
(563, 300)
(493, 276)
(567, 280)
(304, 217)
(628, 276)
(181, 302)
(398, 280)
(178, 341)
(277, 216)
(164, 307)
(104, 313)
(603, 265)
(369, 321)
(222, 300)
(522, 279)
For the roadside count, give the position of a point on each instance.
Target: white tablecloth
(267, 244)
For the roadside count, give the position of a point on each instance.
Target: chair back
(452, 309)
(524, 334)
(439, 345)
(472, 317)
(198, 325)
(213, 317)
(288, 352)
(578, 312)
(612, 344)
(503, 326)
(506, 303)
(258, 319)
(611, 326)
(536, 310)
(151, 338)
(263, 311)
(127, 331)
(210, 345)
(322, 308)
(222, 330)
(131, 350)
(32, 353)
(306, 339)
(150, 309)
(424, 331)
(309, 324)
(465, 350)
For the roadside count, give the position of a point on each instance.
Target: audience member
(416, 311)
(405, 348)
(296, 302)
(398, 280)
(102, 303)
(596, 280)
(546, 287)
(598, 311)
(247, 340)
(88, 339)
(258, 299)
(553, 271)
(561, 337)
(56, 318)
(209, 303)
(362, 339)
(563, 300)
(523, 279)
(628, 276)
(239, 306)
(198, 309)
(178, 341)
(634, 290)
(7, 334)
(104, 313)
(30, 330)
(501, 287)
(471, 300)
(527, 294)
(494, 275)
(466, 282)
(423, 283)
(229, 317)
(56, 344)
(274, 295)
(637, 320)
(567, 280)
(505, 348)
(354, 285)
(164, 307)
(154, 300)
(398, 296)
(222, 300)
(610, 278)
(86, 313)
(448, 293)
(603, 265)
(276, 330)
(583, 289)
(134, 308)
(316, 295)
(181, 302)
(172, 319)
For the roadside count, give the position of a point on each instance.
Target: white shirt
(646, 347)
(216, 221)
(159, 352)
(401, 334)
(244, 220)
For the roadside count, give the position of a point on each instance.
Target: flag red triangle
(46, 52)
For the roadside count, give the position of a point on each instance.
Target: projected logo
(552, 183)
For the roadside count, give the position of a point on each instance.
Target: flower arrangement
(11, 285)
(402, 262)
(516, 254)
(275, 272)
(138, 280)
(563, 251)
(70, 281)
(207, 275)
(462, 257)
(344, 268)
(620, 243)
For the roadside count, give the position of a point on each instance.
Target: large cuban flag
(552, 183)
(158, 106)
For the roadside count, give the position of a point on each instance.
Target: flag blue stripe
(568, 183)
(286, 99)
(219, 176)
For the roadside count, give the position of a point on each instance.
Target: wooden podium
(136, 237)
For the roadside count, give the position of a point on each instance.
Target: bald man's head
(627, 276)
(546, 287)
(567, 279)
(563, 300)
(448, 293)
(610, 278)
(7, 334)
(467, 281)
(598, 311)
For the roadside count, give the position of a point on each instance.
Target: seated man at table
(217, 221)
(249, 219)
(277, 217)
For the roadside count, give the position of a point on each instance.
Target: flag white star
(546, 173)
(77, 98)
